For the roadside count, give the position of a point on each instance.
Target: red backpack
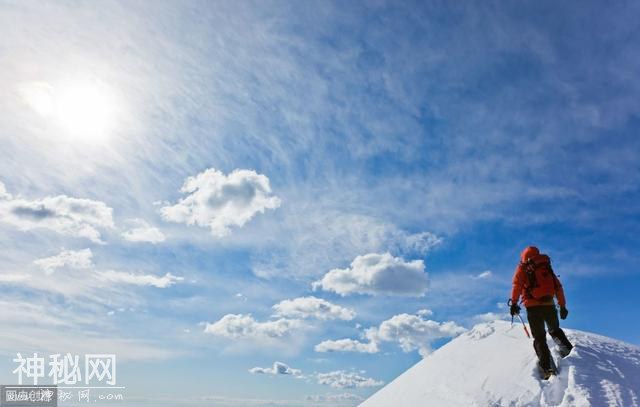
(541, 281)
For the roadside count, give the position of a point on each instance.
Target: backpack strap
(529, 271)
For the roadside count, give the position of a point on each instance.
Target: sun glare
(82, 111)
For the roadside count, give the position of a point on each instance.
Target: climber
(537, 284)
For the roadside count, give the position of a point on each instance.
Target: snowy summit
(494, 365)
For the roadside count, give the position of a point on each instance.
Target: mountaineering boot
(545, 361)
(546, 374)
(564, 346)
(547, 369)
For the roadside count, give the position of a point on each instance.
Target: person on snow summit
(537, 284)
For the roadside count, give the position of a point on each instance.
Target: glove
(563, 313)
(514, 309)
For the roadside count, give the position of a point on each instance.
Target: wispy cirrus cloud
(139, 279)
(303, 240)
(78, 259)
(484, 275)
(49, 326)
(332, 104)
(80, 277)
(13, 278)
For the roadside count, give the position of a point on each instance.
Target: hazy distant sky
(288, 203)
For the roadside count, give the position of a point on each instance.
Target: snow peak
(541, 281)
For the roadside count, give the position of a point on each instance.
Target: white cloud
(46, 324)
(62, 214)
(219, 201)
(343, 379)
(140, 279)
(82, 279)
(239, 326)
(489, 317)
(334, 398)
(312, 237)
(412, 332)
(9, 278)
(484, 275)
(419, 243)
(312, 307)
(424, 312)
(278, 368)
(377, 274)
(143, 232)
(3, 192)
(347, 345)
(77, 259)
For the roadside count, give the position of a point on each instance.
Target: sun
(85, 110)
(82, 111)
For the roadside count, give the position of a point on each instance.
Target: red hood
(529, 252)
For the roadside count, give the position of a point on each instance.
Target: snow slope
(494, 365)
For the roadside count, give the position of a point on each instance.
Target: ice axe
(524, 326)
(526, 331)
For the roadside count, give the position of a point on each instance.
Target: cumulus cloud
(239, 326)
(278, 368)
(77, 259)
(484, 275)
(342, 379)
(140, 279)
(377, 274)
(347, 345)
(143, 232)
(220, 202)
(312, 307)
(62, 214)
(411, 332)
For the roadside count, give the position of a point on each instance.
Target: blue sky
(171, 172)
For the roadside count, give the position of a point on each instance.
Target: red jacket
(520, 279)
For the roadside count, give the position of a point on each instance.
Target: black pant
(538, 316)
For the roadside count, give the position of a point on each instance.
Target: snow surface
(494, 364)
